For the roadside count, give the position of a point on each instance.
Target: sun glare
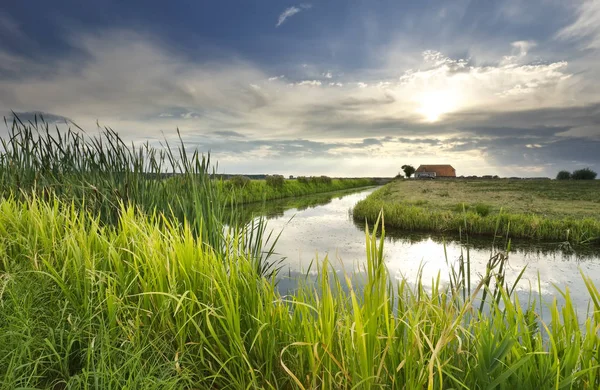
(433, 105)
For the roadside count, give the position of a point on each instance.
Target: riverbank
(536, 209)
(259, 190)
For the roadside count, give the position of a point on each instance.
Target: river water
(318, 226)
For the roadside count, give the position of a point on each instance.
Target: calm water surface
(315, 227)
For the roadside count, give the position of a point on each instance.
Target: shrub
(563, 175)
(275, 180)
(483, 209)
(239, 180)
(320, 179)
(584, 174)
(327, 179)
(302, 179)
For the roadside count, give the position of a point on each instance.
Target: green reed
(100, 173)
(143, 303)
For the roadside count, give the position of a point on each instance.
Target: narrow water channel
(313, 227)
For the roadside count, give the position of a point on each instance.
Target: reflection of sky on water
(328, 229)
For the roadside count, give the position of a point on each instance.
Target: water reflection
(324, 227)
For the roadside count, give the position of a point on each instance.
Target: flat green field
(543, 209)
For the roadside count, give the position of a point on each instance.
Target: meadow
(101, 291)
(537, 209)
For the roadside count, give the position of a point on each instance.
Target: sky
(336, 87)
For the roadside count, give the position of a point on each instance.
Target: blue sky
(348, 88)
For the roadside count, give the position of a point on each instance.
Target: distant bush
(302, 179)
(239, 181)
(327, 179)
(275, 180)
(563, 175)
(399, 176)
(584, 174)
(320, 179)
(483, 209)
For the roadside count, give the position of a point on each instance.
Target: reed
(143, 303)
(101, 173)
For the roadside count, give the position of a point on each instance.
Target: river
(322, 225)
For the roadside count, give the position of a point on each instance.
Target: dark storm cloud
(283, 147)
(569, 153)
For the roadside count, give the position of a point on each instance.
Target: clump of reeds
(143, 303)
(102, 173)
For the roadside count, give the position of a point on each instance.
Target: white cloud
(327, 75)
(291, 11)
(586, 25)
(440, 95)
(313, 83)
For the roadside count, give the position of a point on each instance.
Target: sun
(434, 104)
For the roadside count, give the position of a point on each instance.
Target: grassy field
(539, 209)
(110, 279)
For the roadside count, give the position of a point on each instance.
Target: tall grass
(100, 173)
(144, 304)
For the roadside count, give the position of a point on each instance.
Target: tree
(584, 174)
(408, 170)
(563, 175)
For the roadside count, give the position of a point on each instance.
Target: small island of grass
(537, 209)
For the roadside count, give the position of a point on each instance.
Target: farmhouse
(435, 171)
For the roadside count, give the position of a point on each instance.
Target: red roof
(440, 170)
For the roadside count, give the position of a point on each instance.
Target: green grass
(538, 209)
(259, 190)
(145, 304)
